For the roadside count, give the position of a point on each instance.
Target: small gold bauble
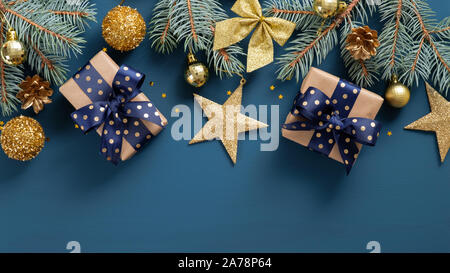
(196, 74)
(397, 94)
(13, 51)
(327, 8)
(123, 28)
(22, 138)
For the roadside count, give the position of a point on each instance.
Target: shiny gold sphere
(22, 138)
(123, 28)
(326, 8)
(397, 94)
(13, 51)
(196, 74)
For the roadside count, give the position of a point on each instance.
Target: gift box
(333, 117)
(107, 98)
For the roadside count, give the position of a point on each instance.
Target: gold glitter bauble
(22, 138)
(327, 8)
(196, 73)
(397, 94)
(13, 51)
(123, 28)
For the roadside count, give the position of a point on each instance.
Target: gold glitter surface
(225, 121)
(123, 28)
(22, 138)
(438, 120)
(260, 48)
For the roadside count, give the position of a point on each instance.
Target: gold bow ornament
(260, 48)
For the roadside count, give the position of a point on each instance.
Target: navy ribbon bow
(113, 108)
(329, 118)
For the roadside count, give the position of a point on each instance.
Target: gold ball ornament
(22, 138)
(13, 51)
(328, 8)
(397, 94)
(196, 73)
(123, 28)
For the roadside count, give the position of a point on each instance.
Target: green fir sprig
(191, 23)
(317, 38)
(51, 32)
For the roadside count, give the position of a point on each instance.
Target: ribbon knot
(260, 48)
(336, 121)
(329, 117)
(114, 110)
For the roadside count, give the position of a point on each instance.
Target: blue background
(177, 197)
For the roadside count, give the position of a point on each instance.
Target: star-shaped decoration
(389, 133)
(438, 120)
(225, 122)
(272, 87)
(280, 97)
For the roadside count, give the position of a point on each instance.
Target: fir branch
(160, 31)
(431, 57)
(192, 23)
(300, 54)
(51, 31)
(76, 13)
(301, 13)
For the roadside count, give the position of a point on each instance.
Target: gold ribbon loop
(260, 49)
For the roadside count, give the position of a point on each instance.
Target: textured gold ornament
(123, 28)
(13, 51)
(328, 8)
(437, 121)
(225, 122)
(260, 48)
(196, 73)
(397, 94)
(35, 92)
(22, 138)
(362, 43)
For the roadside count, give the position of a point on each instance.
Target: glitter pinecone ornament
(123, 28)
(362, 43)
(22, 138)
(35, 92)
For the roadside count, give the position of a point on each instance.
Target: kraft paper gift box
(107, 70)
(367, 105)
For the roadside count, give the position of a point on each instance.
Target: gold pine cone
(362, 43)
(123, 28)
(34, 92)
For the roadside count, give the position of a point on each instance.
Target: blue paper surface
(174, 197)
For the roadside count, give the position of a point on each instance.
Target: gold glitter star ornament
(123, 28)
(22, 138)
(225, 122)
(260, 48)
(437, 121)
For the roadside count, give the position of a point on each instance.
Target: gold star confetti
(228, 92)
(163, 95)
(225, 122)
(152, 83)
(280, 97)
(438, 120)
(104, 49)
(272, 87)
(2, 123)
(389, 133)
(76, 126)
